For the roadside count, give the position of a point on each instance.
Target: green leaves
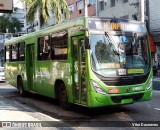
(10, 23)
(44, 8)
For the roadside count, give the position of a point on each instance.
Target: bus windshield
(117, 55)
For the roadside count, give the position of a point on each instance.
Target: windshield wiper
(111, 43)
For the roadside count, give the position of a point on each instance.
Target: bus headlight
(97, 87)
(149, 85)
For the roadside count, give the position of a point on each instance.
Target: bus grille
(135, 97)
(124, 80)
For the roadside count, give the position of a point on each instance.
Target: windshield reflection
(112, 54)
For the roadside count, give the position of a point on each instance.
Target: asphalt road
(42, 109)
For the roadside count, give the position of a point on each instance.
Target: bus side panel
(47, 73)
(11, 73)
(44, 85)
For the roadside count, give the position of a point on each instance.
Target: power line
(18, 2)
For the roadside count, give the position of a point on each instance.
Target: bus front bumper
(97, 100)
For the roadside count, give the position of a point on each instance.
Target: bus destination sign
(116, 26)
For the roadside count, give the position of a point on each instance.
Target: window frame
(78, 3)
(125, 1)
(71, 8)
(112, 3)
(64, 40)
(19, 58)
(16, 50)
(101, 5)
(9, 53)
(91, 2)
(43, 57)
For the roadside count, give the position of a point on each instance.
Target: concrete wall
(154, 16)
(123, 10)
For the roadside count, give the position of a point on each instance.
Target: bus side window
(7, 53)
(59, 46)
(14, 52)
(44, 48)
(21, 51)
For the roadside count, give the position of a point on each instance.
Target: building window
(44, 48)
(101, 4)
(125, 1)
(22, 25)
(21, 51)
(92, 2)
(71, 8)
(125, 17)
(59, 46)
(80, 5)
(112, 3)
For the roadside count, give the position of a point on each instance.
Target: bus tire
(63, 99)
(22, 92)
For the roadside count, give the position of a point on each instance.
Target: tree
(44, 7)
(10, 23)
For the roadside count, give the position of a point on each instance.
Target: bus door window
(75, 62)
(83, 68)
(44, 48)
(7, 54)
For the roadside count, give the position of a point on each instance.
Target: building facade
(19, 14)
(154, 24)
(129, 9)
(76, 8)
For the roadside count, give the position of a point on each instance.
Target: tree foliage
(10, 23)
(44, 7)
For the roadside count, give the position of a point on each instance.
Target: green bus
(91, 62)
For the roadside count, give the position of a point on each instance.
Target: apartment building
(154, 24)
(128, 9)
(76, 8)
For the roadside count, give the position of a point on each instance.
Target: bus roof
(64, 26)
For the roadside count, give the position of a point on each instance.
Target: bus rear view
(120, 61)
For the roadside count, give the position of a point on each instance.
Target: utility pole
(85, 8)
(142, 11)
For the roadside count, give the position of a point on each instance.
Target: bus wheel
(63, 99)
(20, 88)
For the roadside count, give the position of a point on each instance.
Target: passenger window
(21, 51)
(7, 54)
(59, 46)
(14, 52)
(44, 48)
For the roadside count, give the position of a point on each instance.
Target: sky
(17, 3)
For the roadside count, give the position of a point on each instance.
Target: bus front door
(30, 67)
(79, 78)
